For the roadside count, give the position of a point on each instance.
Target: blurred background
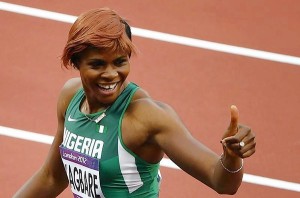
(200, 57)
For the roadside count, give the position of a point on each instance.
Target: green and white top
(97, 162)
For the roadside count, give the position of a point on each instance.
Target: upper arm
(50, 180)
(53, 165)
(171, 135)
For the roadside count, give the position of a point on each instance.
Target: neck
(87, 109)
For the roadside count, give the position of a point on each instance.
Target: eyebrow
(121, 56)
(96, 60)
(100, 59)
(103, 61)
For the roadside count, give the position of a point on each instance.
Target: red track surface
(199, 84)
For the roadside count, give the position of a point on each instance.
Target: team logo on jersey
(71, 119)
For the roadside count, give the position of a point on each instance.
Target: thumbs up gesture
(238, 140)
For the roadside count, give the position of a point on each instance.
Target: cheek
(87, 73)
(82, 76)
(125, 71)
(86, 77)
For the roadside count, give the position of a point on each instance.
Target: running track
(257, 69)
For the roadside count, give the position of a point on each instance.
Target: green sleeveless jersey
(97, 162)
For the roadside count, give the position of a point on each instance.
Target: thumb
(234, 121)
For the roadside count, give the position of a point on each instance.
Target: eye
(96, 64)
(120, 61)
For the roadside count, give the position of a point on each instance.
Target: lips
(107, 88)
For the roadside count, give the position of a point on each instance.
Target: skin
(149, 128)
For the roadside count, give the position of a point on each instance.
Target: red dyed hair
(102, 28)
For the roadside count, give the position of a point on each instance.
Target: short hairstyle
(101, 28)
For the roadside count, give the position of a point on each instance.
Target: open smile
(108, 88)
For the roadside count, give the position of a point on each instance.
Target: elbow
(227, 191)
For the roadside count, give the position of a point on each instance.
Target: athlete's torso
(97, 162)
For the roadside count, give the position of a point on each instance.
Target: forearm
(228, 174)
(41, 185)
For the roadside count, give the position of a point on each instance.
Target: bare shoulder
(142, 101)
(67, 92)
(142, 98)
(71, 86)
(150, 113)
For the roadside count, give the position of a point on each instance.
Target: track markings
(41, 138)
(253, 179)
(192, 42)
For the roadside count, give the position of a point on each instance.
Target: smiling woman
(115, 134)
(103, 74)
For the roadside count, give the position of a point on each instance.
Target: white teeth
(112, 86)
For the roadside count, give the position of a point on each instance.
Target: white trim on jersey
(129, 170)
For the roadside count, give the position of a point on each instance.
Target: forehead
(96, 53)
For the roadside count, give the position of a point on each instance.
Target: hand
(238, 140)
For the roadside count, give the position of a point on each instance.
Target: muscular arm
(170, 134)
(50, 180)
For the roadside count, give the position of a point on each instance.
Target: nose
(110, 73)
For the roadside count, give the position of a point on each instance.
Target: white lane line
(26, 135)
(161, 36)
(258, 180)
(37, 12)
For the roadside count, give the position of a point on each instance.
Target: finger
(243, 149)
(236, 147)
(248, 153)
(231, 143)
(249, 145)
(236, 143)
(234, 121)
(230, 140)
(242, 133)
(249, 138)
